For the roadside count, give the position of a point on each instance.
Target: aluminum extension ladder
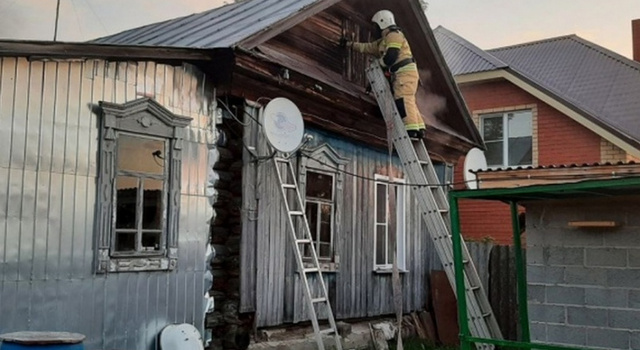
(300, 236)
(434, 208)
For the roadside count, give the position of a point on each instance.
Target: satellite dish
(475, 160)
(180, 337)
(283, 124)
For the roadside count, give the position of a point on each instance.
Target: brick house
(557, 101)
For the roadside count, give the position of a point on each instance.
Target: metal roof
(596, 80)
(221, 27)
(559, 166)
(463, 57)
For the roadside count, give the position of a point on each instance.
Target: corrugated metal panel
(463, 57)
(217, 28)
(48, 148)
(596, 80)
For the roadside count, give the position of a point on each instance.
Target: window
(389, 222)
(140, 203)
(321, 175)
(319, 206)
(140, 166)
(508, 137)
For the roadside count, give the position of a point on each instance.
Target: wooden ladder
(300, 236)
(434, 209)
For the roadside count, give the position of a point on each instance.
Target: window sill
(387, 271)
(325, 267)
(108, 264)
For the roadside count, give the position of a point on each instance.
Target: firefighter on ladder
(395, 55)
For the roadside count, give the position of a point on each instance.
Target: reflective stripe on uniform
(408, 68)
(394, 45)
(414, 126)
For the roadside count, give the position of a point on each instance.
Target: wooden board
(445, 307)
(42, 338)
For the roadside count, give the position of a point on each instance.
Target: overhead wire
(302, 152)
(390, 181)
(256, 158)
(88, 2)
(73, 6)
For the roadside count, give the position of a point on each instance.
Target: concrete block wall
(584, 284)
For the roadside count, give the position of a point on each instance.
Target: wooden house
(218, 68)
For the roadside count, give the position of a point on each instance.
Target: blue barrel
(42, 341)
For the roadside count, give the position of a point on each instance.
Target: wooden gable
(306, 64)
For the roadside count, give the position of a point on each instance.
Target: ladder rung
(303, 241)
(328, 331)
(296, 213)
(318, 300)
(311, 269)
(288, 186)
(442, 211)
(281, 160)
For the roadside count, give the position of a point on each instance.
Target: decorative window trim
(144, 117)
(402, 248)
(324, 159)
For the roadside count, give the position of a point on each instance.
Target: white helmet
(384, 19)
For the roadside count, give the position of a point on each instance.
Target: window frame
(144, 118)
(505, 134)
(320, 202)
(324, 159)
(141, 177)
(401, 222)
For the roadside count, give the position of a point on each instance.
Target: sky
(486, 23)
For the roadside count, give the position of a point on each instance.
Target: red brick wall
(560, 141)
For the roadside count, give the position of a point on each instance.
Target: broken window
(140, 201)
(508, 138)
(321, 178)
(319, 206)
(389, 223)
(139, 191)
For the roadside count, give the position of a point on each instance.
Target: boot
(413, 134)
(422, 133)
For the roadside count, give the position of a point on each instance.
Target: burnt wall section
(229, 330)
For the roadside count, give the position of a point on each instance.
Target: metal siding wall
(356, 289)
(48, 167)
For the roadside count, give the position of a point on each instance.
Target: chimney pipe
(635, 32)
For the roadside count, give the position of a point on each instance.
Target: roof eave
(285, 24)
(450, 81)
(51, 49)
